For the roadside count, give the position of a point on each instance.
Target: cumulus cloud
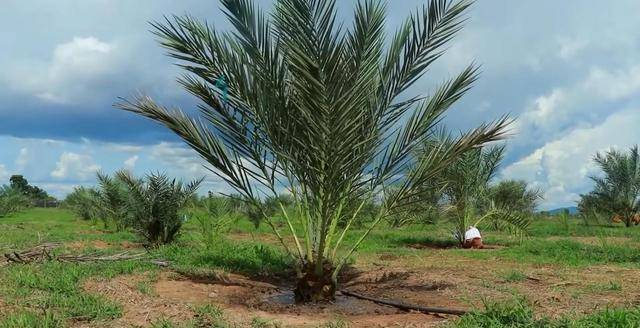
(74, 68)
(180, 158)
(130, 162)
(571, 47)
(72, 165)
(23, 159)
(584, 103)
(182, 162)
(562, 167)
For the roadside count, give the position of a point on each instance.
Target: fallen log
(404, 306)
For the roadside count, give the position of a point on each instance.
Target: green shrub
(213, 216)
(12, 200)
(154, 204)
(83, 202)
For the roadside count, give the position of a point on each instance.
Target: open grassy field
(565, 274)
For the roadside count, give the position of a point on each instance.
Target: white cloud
(72, 165)
(4, 174)
(185, 163)
(179, 158)
(562, 167)
(125, 148)
(585, 103)
(72, 74)
(571, 47)
(23, 159)
(130, 162)
(58, 190)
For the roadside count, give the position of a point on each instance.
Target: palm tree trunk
(314, 287)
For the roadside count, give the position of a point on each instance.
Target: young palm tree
(214, 215)
(468, 193)
(12, 200)
(313, 108)
(617, 191)
(515, 196)
(83, 202)
(111, 200)
(154, 204)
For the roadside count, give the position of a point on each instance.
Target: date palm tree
(12, 200)
(467, 193)
(515, 196)
(617, 190)
(111, 202)
(319, 110)
(154, 204)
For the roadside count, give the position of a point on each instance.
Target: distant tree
(423, 208)
(214, 214)
(514, 195)
(20, 183)
(616, 192)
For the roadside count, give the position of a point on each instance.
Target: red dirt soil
(174, 297)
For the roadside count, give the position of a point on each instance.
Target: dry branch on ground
(44, 252)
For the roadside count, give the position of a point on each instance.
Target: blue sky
(569, 71)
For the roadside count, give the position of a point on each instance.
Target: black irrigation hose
(404, 306)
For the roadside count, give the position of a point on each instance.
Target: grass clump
(57, 288)
(254, 259)
(564, 252)
(518, 313)
(514, 276)
(31, 320)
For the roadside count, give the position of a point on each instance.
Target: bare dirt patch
(100, 245)
(430, 278)
(459, 281)
(83, 244)
(139, 310)
(4, 308)
(174, 297)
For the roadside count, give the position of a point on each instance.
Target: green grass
(36, 225)
(563, 252)
(31, 320)
(518, 314)
(514, 276)
(50, 294)
(254, 259)
(56, 287)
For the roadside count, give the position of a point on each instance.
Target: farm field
(564, 274)
(320, 163)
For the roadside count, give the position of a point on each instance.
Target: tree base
(311, 288)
